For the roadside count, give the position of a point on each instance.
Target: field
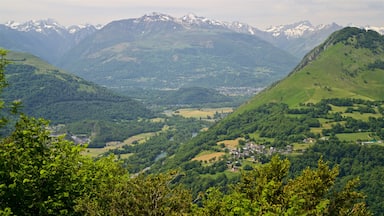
(203, 113)
(299, 147)
(208, 156)
(364, 136)
(140, 138)
(231, 144)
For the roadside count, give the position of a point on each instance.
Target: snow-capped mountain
(41, 26)
(44, 38)
(295, 30)
(297, 38)
(48, 26)
(243, 28)
(193, 20)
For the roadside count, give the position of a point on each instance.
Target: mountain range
(161, 52)
(46, 39)
(63, 38)
(158, 51)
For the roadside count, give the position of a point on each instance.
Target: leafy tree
(266, 190)
(141, 195)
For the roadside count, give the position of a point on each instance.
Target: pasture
(202, 113)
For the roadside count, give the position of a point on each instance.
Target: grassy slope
(339, 72)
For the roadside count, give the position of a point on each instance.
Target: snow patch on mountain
(242, 28)
(41, 26)
(77, 28)
(192, 19)
(295, 30)
(48, 26)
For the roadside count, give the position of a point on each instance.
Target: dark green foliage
(376, 65)
(196, 96)
(40, 175)
(365, 162)
(360, 38)
(266, 190)
(163, 145)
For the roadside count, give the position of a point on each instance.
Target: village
(252, 152)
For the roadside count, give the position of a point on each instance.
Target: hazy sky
(258, 13)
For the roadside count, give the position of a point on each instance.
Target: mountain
(298, 38)
(48, 92)
(44, 38)
(158, 51)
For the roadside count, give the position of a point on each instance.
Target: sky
(258, 13)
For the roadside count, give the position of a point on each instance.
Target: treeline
(365, 162)
(351, 125)
(360, 38)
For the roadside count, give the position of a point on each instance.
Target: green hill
(62, 98)
(349, 64)
(48, 92)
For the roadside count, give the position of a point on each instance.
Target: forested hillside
(48, 92)
(83, 107)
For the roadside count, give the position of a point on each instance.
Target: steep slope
(158, 51)
(48, 92)
(349, 64)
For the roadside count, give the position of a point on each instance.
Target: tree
(266, 191)
(140, 195)
(40, 174)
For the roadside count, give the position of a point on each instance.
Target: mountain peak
(294, 30)
(36, 25)
(192, 19)
(155, 17)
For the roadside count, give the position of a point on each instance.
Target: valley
(213, 103)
